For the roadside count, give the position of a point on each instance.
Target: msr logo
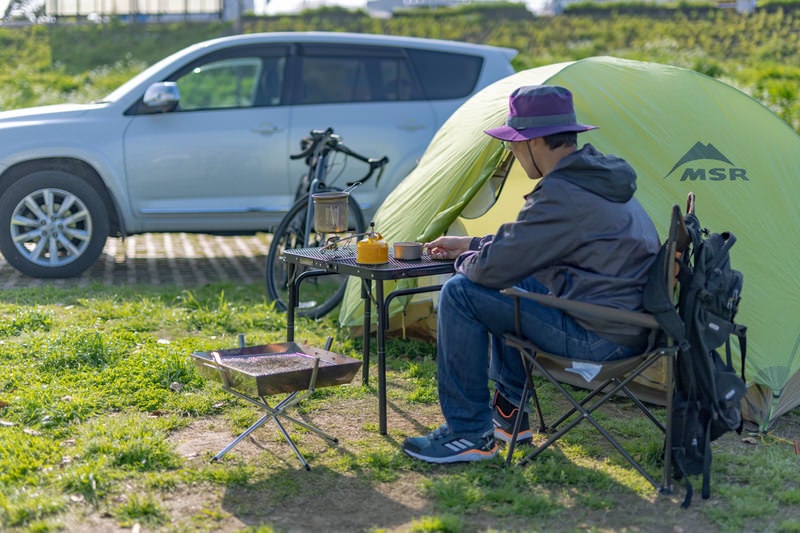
(707, 152)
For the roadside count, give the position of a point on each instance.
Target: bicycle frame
(317, 150)
(317, 182)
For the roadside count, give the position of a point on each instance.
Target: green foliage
(90, 409)
(757, 53)
(213, 315)
(26, 506)
(24, 319)
(89, 480)
(140, 509)
(84, 47)
(127, 441)
(441, 524)
(23, 455)
(483, 488)
(96, 381)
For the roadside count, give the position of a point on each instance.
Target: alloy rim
(51, 227)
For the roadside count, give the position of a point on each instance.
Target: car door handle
(268, 129)
(411, 126)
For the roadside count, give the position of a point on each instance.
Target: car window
(270, 88)
(398, 81)
(221, 84)
(446, 75)
(337, 74)
(326, 80)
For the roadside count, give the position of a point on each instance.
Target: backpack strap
(687, 487)
(658, 301)
(706, 490)
(741, 333)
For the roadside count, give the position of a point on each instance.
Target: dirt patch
(338, 502)
(291, 499)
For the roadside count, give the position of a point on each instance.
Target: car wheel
(53, 224)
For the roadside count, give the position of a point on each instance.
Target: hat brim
(507, 133)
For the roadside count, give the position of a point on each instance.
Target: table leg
(366, 288)
(381, 340)
(292, 303)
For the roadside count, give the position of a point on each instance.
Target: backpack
(708, 391)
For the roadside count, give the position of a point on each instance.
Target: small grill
(275, 368)
(254, 372)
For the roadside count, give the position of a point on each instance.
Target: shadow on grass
(293, 499)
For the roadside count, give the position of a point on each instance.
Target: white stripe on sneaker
(459, 445)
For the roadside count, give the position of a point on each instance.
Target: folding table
(343, 261)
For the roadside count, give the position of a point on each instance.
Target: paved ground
(164, 258)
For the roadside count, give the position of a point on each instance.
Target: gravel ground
(181, 259)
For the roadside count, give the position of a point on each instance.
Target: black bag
(708, 393)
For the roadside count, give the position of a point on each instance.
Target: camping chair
(605, 379)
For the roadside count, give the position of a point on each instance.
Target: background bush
(758, 53)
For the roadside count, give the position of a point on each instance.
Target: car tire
(53, 224)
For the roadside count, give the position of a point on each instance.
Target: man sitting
(581, 235)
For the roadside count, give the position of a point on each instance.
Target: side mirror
(161, 97)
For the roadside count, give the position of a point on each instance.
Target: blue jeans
(470, 317)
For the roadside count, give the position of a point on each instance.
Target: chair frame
(614, 377)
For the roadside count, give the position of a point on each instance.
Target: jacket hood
(606, 175)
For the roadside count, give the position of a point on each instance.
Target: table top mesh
(343, 259)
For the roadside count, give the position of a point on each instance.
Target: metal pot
(330, 211)
(407, 251)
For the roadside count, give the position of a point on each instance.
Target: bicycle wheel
(317, 295)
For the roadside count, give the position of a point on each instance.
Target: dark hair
(566, 138)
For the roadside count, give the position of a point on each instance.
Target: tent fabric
(681, 131)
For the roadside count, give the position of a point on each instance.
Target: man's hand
(448, 246)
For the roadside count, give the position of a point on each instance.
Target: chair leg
(518, 420)
(528, 392)
(586, 399)
(530, 383)
(542, 425)
(585, 414)
(642, 407)
(586, 406)
(666, 485)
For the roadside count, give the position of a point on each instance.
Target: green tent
(682, 131)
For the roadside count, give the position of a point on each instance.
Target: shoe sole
(465, 456)
(523, 437)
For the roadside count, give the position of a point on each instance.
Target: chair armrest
(586, 310)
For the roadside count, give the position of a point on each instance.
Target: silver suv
(199, 142)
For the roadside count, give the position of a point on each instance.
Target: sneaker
(504, 416)
(440, 446)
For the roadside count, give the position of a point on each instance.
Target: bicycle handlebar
(321, 141)
(317, 136)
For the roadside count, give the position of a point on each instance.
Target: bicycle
(320, 294)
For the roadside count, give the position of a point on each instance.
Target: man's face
(524, 153)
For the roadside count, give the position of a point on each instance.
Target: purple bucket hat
(537, 111)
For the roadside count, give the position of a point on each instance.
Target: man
(580, 235)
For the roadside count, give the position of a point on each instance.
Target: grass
(98, 388)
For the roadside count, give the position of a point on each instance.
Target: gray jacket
(581, 233)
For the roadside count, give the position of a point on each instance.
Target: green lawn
(105, 424)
